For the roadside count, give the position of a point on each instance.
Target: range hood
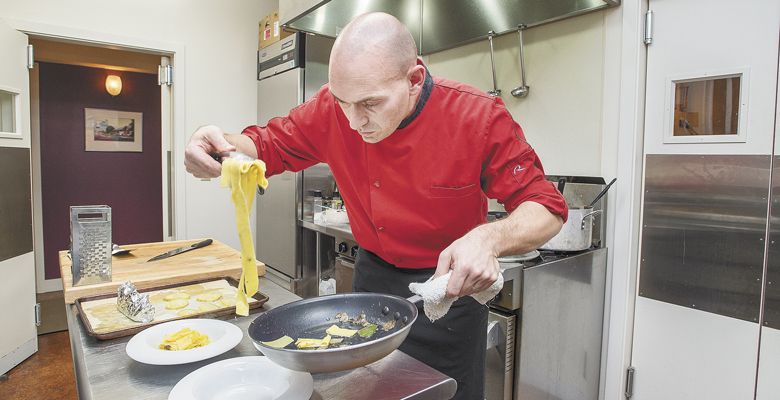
(436, 24)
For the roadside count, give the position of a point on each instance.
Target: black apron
(454, 344)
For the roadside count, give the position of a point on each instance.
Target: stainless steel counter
(337, 230)
(104, 371)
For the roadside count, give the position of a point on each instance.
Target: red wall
(130, 183)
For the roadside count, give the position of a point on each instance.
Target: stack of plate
(235, 378)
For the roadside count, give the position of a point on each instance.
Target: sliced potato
(186, 312)
(158, 297)
(335, 330)
(176, 304)
(176, 296)
(309, 343)
(325, 343)
(227, 302)
(209, 297)
(206, 307)
(279, 343)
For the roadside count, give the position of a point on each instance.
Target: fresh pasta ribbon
(243, 178)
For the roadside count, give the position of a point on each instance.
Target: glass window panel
(708, 106)
(7, 100)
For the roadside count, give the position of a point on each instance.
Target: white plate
(143, 347)
(255, 377)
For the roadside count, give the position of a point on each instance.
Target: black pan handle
(603, 192)
(201, 244)
(561, 184)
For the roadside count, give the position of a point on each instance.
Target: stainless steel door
(277, 231)
(708, 133)
(345, 270)
(767, 385)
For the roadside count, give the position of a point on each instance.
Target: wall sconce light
(113, 85)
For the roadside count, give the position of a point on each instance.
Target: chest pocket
(453, 191)
(454, 179)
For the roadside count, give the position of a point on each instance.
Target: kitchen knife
(181, 250)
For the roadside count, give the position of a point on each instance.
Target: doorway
(129, 171)
(24, 270)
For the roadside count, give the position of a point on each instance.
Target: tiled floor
(47, 374)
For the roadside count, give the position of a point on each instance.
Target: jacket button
(376, 184)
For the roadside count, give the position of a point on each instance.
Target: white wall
(219, 40)
(561, 117)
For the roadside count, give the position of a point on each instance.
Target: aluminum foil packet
(134, 305)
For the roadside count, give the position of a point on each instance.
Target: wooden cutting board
(212, 261)
(102, 319)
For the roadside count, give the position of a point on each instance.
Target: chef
(415, 158)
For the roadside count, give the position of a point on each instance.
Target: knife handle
(202, 244)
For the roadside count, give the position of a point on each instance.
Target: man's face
(374, 101)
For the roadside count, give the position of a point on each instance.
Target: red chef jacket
(412, 194)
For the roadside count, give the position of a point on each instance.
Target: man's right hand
(208, 141)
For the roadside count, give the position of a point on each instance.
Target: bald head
(375, 41)
(374, 75)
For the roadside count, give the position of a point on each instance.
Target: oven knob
(354, 251)
(343, 247)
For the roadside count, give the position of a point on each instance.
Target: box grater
(90, 244)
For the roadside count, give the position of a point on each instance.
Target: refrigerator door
(277, 231)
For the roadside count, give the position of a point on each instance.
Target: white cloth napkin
(434, 293)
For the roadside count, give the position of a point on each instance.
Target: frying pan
(308, 318)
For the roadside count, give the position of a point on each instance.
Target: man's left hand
(473, 262)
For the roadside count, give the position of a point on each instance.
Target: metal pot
(576, 234)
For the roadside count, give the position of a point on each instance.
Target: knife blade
(180, 250)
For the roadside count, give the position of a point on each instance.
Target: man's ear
(416, 77)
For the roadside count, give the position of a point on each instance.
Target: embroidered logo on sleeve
(518, 169)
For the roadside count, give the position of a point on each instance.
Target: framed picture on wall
(111, 130)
